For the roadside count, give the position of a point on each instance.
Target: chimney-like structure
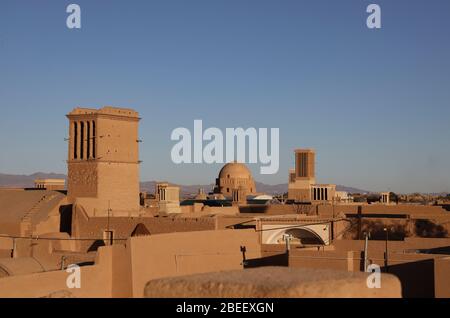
(303, 177)
(103, 160)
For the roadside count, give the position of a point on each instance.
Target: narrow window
(88, 139)
(75, 140)
(93, 139)
(82, 140)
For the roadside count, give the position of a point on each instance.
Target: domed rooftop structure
(235, 175)
(235, 170)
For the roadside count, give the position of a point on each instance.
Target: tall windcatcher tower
(103, 161)
(305, 165)
(301, 179)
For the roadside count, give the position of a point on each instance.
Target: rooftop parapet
(106, 110)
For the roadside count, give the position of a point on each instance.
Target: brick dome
(234, 175)
(235, 170)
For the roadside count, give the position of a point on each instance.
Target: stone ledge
(273, 282)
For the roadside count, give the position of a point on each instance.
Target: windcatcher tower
(305, 165)
(103, 161)
(301, 179)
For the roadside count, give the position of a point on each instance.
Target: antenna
(109, 209)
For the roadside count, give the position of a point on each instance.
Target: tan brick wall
(94, 227)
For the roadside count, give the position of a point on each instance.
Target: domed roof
(235, 170)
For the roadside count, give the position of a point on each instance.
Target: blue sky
(375, 104)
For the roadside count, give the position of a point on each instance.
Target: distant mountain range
(27, 181)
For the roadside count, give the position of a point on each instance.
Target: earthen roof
(15, 204)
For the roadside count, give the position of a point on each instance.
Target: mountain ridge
(27, 181)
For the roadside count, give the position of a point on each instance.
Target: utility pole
(386, 262)
(287, 239)
(332, 206)
(14, 249)
(366, 246)
(244, 260)
(108, 231)
(63, 258)
(109, 209)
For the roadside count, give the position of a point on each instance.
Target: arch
(303, 234)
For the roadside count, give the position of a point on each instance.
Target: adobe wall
(48, 221)
(442, 277)
(273, 282)
(83, 227)
(303, 195)
(124, 270)
(328, 210)
(398, 228)
(82, 179)
(10, 228)
(200, 209)
(176, 254)
(407, 244)
(337, 260)
(6, 243)
(416, 272)
(225, 210)
(95, 281)
(224, 222)
(118, 187)
(426, 243)
(417, 225)
(277, 209)
(413, 210)
(51, 225)
(121, 281)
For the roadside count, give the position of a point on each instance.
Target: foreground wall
(175, 254)
(442, 277)
(124, 270)
(95, 282)
(421, 275)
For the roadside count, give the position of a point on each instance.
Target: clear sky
(375, 104)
